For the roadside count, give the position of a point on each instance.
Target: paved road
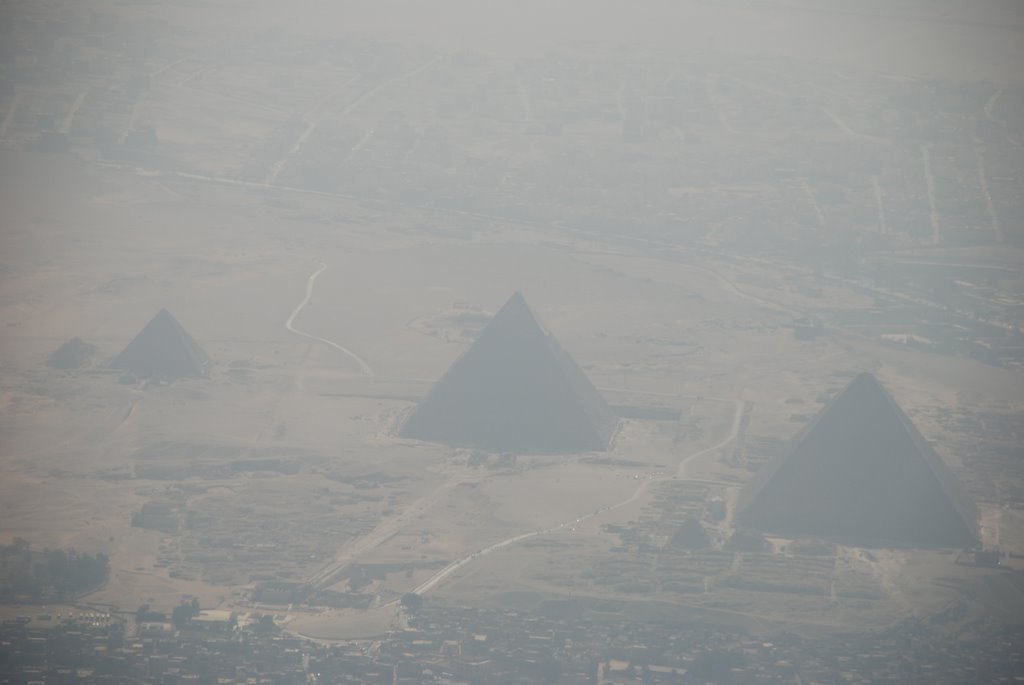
(278, 167)
(385, 530)
(680, 473)
(69, 119)
(933, 212)
(10, 114)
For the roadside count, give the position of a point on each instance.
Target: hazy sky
(959, 38)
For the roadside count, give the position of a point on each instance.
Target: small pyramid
(514, 390)
(163, 350)
(861, 474)
(74, 354)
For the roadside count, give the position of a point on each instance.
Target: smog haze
(511, 342)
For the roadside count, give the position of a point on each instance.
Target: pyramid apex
(515, 301)
(864, 387)
(517, 316)
(163, 314)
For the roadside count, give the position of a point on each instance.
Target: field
(329, 300)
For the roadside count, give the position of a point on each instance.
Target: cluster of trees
(748, 540)
(49, 575)
(180, 615)
(145, 614)
(184, 612)
(264, 626)
(412, 602)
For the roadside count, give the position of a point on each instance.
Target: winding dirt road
(290, 325)
(680, 474)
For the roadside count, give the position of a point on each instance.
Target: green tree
(412, 602)
(265, 626)
(183, 613)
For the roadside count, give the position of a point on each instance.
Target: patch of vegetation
(49, 575)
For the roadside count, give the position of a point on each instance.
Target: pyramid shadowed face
(514, 390)
(163, 350)
(861, 474)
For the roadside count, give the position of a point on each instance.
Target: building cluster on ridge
(859, 474)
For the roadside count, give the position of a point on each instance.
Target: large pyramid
(514, 390)
(861, 474)
(163, 350)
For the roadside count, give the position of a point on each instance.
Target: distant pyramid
(514, 390)
(74, 354)
(861, 474)
(163, 350)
